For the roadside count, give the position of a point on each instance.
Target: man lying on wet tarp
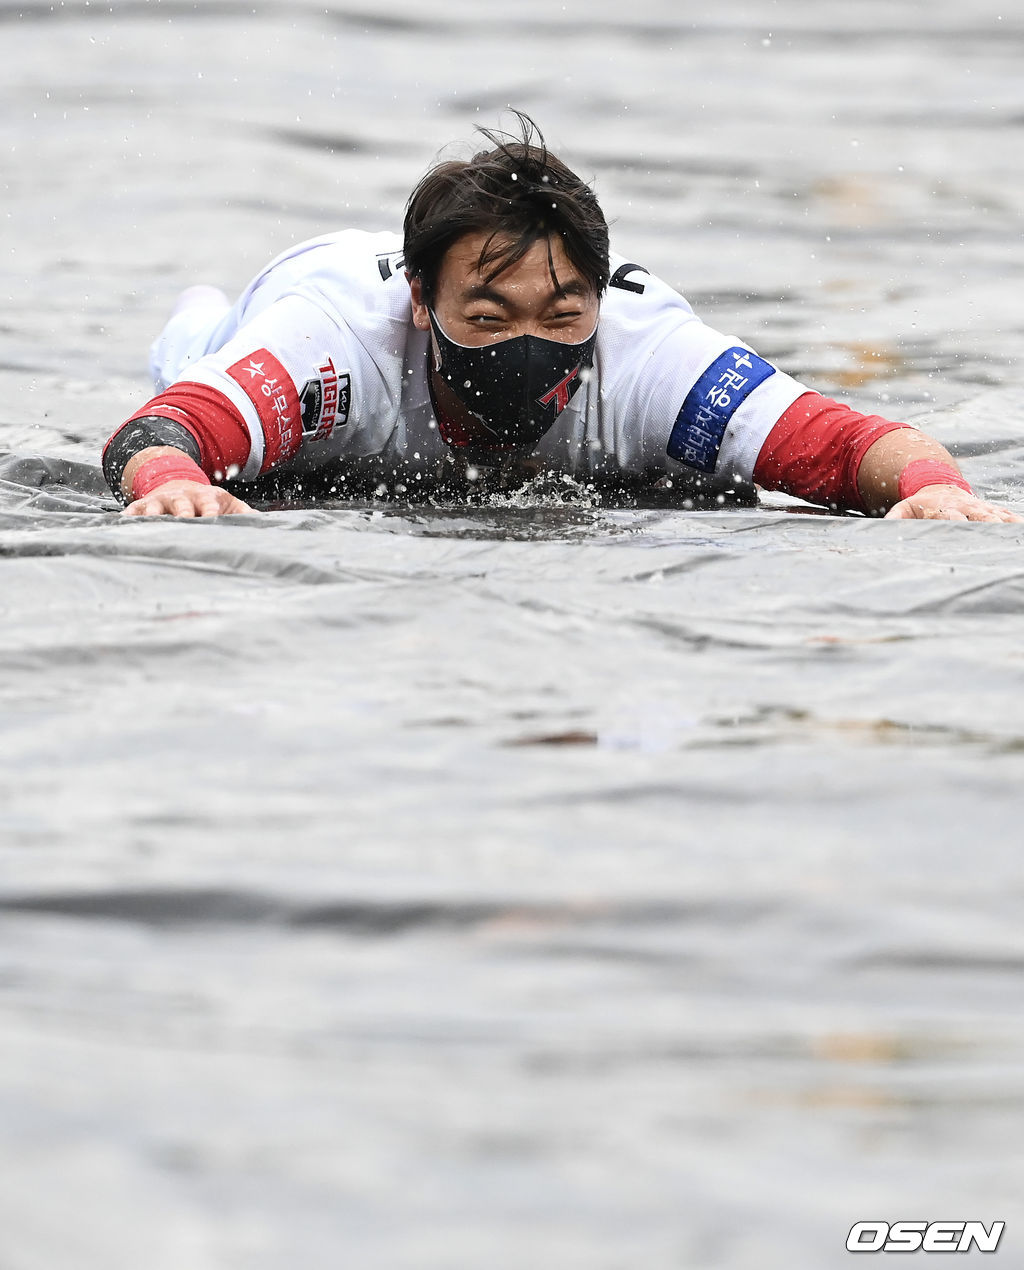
(498, 336)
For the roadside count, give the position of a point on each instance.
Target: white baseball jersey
(321, 360)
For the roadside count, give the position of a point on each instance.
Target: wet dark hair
(517, 193)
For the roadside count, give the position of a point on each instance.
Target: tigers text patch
(711, 403)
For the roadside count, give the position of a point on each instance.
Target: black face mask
(514, 389)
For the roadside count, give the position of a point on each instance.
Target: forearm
(162, 460)
(823, 451)
(191, 418)
(816, 448)
(878, 478)
(829, 454)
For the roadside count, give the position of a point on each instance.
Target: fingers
(224, 504)
(980, 511)
(218, 502)
(187, 500)
(148, 506)
(945, 513)
(1000, 514)
(956, 506)
(180, 505)
(157, 504)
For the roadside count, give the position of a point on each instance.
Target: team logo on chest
(325, 402)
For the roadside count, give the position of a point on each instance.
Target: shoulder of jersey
(354, 264)
(634, 293)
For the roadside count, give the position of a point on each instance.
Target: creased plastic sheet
(618, 872)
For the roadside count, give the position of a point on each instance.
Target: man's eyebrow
(482, 291)
(575, 286)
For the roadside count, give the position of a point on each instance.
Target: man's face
(522, 300)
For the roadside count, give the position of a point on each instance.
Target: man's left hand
(948, 502)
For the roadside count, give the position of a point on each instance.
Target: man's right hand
(187, 499)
